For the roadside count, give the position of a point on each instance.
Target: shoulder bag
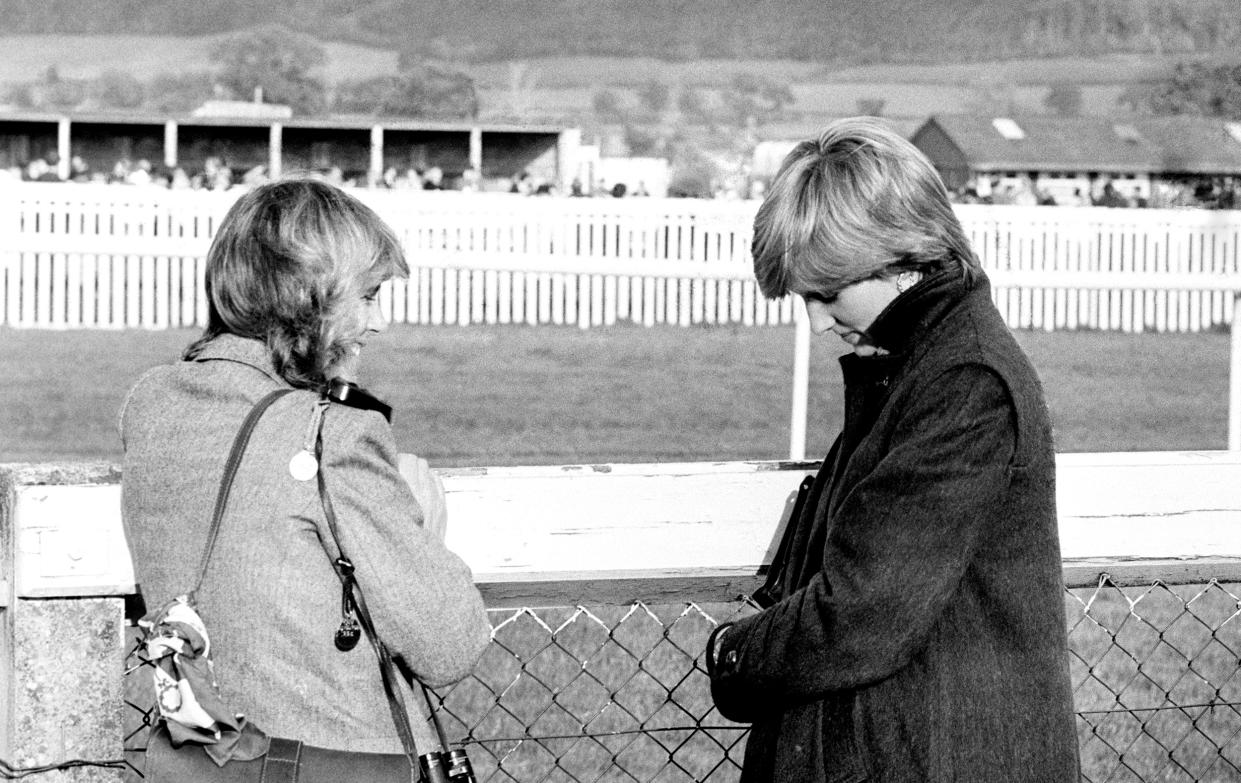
(198, 739)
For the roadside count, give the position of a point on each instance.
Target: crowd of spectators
(1210, 193)
(215, 174)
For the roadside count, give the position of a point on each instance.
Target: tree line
(272, 62)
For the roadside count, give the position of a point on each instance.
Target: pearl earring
(907, 280)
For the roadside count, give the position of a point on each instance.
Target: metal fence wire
(620, 693)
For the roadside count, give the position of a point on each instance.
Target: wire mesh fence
(620, 693)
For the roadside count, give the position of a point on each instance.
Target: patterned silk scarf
(186, 689)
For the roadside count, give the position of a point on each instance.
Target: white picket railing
(80, 256)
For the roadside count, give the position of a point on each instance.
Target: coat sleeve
(899, 545)
(421, 596)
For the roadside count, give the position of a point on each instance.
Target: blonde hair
(289, 265)
(857, 203)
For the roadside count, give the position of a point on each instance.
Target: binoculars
(446, 767)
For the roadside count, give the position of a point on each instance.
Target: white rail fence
(76, 256)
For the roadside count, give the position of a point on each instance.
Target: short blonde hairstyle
(859, 202)
(289, 265)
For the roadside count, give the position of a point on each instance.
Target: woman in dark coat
(917, 631)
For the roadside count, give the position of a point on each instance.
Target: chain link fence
(620, 693)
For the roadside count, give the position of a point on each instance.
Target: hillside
(561, 89)
(840, 32)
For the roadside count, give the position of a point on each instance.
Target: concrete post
(8, 598)
(62, 639)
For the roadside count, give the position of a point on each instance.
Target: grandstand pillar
(62, 148)
(275, 150)
(170, 144)
(375, 173)
(568, 157)
(476, 149)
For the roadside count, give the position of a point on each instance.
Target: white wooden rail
(689, 531)
(570, 536)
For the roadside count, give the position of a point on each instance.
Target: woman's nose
(376, 321)
(821, 321)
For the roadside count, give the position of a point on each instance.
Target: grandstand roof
(351, 122)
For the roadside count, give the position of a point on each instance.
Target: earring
(907, 280)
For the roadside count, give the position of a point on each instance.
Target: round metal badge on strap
(303, 466)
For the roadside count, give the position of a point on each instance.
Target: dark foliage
(423, 91)
(1065, 99)
(117, 90)
(655, 96)
(1192, 88)
(179, 92)
(606, 103)
(280, 61)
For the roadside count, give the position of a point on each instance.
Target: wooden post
(801, 380)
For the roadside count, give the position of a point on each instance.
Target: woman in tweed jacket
(916, 632)
(292, 278)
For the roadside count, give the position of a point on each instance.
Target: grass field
(546, 395)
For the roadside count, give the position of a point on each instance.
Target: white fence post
(1234, 378)
(801, 381)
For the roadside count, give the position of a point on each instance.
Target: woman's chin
(346, 369)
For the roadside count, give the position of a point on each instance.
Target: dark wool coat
(919, 634)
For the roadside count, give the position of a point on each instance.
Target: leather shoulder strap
(387, 664)
(230, 472)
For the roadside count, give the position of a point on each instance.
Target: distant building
(597, 173)
(1067, 159)
(361, 148)
(251, 110)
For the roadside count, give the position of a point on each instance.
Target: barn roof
(1195, 145)
(1047, 143)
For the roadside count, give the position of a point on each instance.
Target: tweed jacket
(919, 633)
(270, 599)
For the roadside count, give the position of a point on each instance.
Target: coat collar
(913, 314)
(243, 350)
